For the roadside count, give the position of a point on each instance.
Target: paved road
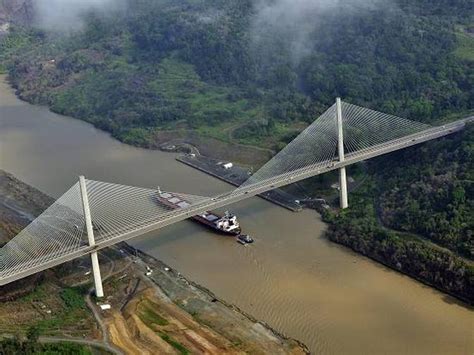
(95, 310)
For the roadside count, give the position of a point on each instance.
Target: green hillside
(222, 66)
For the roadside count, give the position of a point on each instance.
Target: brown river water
(306, 287)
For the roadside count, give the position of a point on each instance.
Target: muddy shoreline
(158, 264)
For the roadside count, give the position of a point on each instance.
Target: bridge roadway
(8, 276)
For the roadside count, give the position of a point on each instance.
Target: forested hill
(258, 70)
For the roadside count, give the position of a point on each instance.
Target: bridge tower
(99, 292)
(340, 148)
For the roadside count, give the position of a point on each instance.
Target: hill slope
(256, 69)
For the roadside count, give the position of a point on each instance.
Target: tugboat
(244, 239)
(226, 224)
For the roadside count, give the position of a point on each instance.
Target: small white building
(228, 166)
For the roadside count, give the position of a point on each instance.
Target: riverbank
(210, 324)
(209, 146)
(425, 259)
(349, 241)
(241, 329)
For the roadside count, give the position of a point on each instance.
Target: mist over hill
(15, 12)
(131, 67)
(68, 15)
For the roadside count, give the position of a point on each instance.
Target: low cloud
(292, 22)
(66, 15)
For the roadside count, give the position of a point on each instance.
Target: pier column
(340, 148)
(99, 292)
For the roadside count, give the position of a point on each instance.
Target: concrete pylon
(340, 148)
(99, 291)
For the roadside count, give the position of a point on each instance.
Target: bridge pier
(340, 148)
(99, 292)
(343, 188)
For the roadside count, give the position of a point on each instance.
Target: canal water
(332, 299)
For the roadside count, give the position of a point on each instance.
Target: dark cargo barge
(224, 224)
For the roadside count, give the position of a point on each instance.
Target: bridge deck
(10, 275)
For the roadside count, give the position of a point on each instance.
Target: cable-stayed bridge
(93, 215)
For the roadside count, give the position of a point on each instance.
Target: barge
(225, 224)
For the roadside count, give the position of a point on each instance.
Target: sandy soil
(168, 307)
(129, 332)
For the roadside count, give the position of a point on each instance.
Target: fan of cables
(60, 230)
(363, 129)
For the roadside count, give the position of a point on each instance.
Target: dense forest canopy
(429, 190)
(151, 64)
